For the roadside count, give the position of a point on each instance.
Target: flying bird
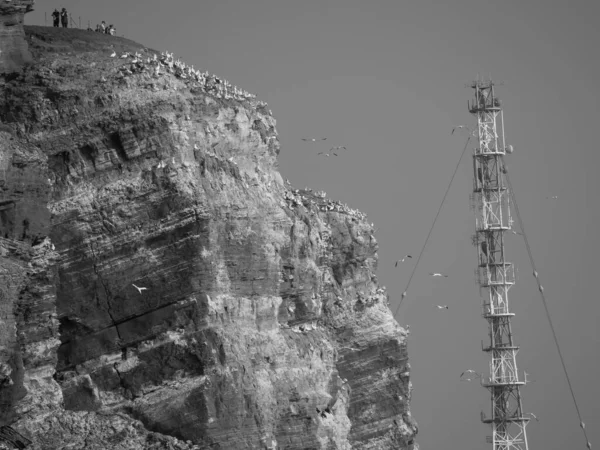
(457, 127)
(442, 306)
(534, 416)
(468, 371)
(314, 139)
(402, 260)
(437, 275)
(554, 196)
(139, 288)
(339, 147)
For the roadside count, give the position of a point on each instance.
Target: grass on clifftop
(44, 40)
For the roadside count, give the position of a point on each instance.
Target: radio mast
(494, 274)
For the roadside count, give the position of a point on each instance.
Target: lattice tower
(495, 275)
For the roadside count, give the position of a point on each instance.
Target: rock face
(258, 323)
(13, 46)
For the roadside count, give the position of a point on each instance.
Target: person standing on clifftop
(56, 17)
(64, 18)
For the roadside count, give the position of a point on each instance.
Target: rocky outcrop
(161, 286)
(13, 46)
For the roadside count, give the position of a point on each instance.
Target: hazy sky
(387, 80)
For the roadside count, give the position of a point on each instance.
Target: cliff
(258, 322)
(13, 46)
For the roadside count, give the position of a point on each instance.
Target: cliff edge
(161, 286)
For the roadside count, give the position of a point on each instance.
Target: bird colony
(295, 198)
(209, 83)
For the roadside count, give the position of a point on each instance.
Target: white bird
(442, 306)
(349, 348)
(438, 275)
(533, 415)
(402, 260)
(139, 288)
(554, 196)
(324, 154)
(125, 55)
(468, 371)
(113, 54)
(314, 139)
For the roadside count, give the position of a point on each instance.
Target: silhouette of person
(64, 18)
(56, 17)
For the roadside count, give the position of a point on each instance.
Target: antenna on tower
(496, 275)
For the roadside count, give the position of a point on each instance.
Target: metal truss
(495, 274)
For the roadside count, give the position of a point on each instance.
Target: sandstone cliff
(261, 325)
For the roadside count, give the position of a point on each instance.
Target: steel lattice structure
(496, 275)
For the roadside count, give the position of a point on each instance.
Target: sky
(387, 79)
